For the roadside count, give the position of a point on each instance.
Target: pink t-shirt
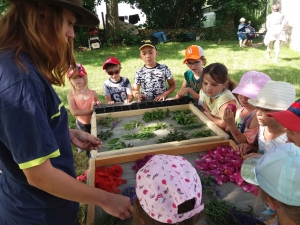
(84, 104)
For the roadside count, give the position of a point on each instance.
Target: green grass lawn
(238, 61)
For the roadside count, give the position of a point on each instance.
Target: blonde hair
(242, 20)
(85, 80)
(293, 212)
(21, 32)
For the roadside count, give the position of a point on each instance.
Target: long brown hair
(21, 32)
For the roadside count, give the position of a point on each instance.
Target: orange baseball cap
(193, 52)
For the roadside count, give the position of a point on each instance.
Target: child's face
(263, 119)
(244, 102)
(77, 81)
(114, 72)
(293, 136)
(196, 66)
(211, 87)
(148, 55)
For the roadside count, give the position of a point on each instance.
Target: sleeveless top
(84, 104)
(243, 123)
(214, 107)
(264, 145)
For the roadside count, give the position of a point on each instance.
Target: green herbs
(108, 122)
(201, 133)
(104, 135)
(157, 126)
(157, 114)
(133, 124)
(183, 118)
(142, 136)
(115, 144)
(174, 136)
(191, 127)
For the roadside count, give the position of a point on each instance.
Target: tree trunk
(112, 21)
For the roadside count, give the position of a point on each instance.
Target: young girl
(195, 60)
(244, 126)
(271, 133)
(215, 94)
(168, 191)
(81, 100)
(277, 175)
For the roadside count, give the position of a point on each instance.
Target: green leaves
(183, 118)
(133, 124)
(142, 136)
(115, 144)
(157, 114)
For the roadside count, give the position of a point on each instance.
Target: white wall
(124, 10)
(291, 9)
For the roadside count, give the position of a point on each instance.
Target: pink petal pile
(224, 164)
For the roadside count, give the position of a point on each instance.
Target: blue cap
(277, 173)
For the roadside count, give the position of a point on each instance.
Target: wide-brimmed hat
(165, 182)
(276, 172)
(193, 52)
(85, 17)
(289, 118)
(251, 84)
(275, 95)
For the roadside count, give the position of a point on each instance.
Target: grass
(238, 61)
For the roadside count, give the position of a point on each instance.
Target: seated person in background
(195, 60)
(168, 191)
(277, 175)
(274, 97)
(116, 88)
(244, 126)
(152, 77)
(290, 119)
(215, 94)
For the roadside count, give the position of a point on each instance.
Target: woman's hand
(84, 140)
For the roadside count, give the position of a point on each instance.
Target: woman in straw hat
(37, 184)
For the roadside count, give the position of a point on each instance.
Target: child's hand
(141, 97)
(94, 103)
(126, 101)
(182, 92)
(244, 148)
(111, 102)
(160, 98)
(228, 118)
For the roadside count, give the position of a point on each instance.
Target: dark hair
(219, 73)
(140, 217)
(292, 212)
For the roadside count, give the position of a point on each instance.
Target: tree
(112, 21)
(171, 13)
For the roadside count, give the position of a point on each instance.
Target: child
(290, 119)
(116, 88)
(242, 32)
(277, 175)
(168, 191)
(251, 35)
(215, 94)
(81, 100)
(275, 96)
(152, 76)
(244, 126)
(195, 60)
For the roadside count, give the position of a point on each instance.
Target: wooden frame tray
(133, 156)
(219, 133)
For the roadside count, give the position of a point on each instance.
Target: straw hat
(275, 95)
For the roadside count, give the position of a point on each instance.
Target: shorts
(242, 36)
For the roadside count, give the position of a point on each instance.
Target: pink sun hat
(165, 182)
(251, 84)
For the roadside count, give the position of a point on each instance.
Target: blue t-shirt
(33, 127)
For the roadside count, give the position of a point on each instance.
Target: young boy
(195, 60)
(290, 119)
(251, 35)
(271, 133)
(116, 88)
(152, 77)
